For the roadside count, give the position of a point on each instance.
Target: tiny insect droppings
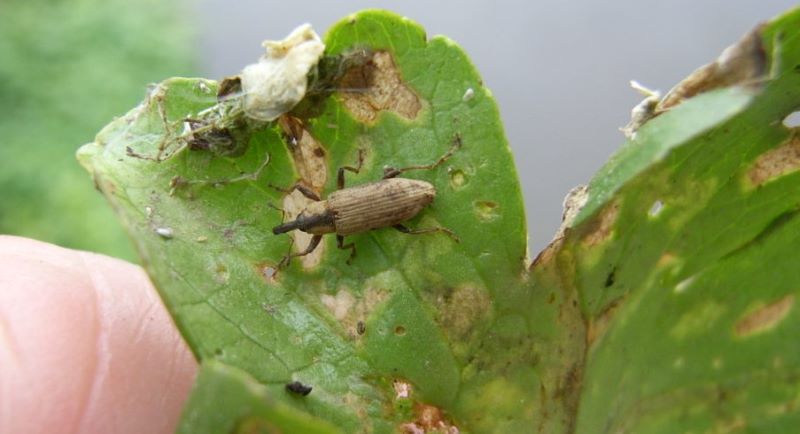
(298, 388)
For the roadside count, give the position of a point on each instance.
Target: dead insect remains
(298, 388)
(380, 204)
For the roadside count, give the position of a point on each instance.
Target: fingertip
(88, 345)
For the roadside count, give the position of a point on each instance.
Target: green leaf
(687, 272)
(667, 302)
(247, 406)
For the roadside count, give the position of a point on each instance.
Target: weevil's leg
(307, 192)
(446, 231)
(340, 244)
(391, 172)
(340, 175)
(311, 247)
(179, 181)
(168, 130)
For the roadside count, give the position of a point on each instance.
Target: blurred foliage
(67, 68)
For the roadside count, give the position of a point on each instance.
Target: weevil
(381, 204)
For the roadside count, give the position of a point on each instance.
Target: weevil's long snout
(286, 227)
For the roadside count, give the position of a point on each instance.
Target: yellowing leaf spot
(764, 318)
(376, 86)
(486, 210)
(697, 320)
(776, 162)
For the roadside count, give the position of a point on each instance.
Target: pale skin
(86, 345)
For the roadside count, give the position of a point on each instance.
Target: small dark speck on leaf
(298, 388)
(610, 278)
(361, 328)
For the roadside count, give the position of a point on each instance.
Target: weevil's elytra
(359, 209)
(379, 204)
(347, 211)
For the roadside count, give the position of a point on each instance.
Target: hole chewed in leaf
(377, 86)
(776, 162)
(765, 317)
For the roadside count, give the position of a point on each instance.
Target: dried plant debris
(279, 80)
(743, 63)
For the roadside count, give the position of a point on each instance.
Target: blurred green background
(66, 68)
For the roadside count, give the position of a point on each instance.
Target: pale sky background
(558, 69)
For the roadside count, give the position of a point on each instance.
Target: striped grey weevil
(381, 204)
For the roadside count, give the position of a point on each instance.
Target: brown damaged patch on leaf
(377, 86)
(776, 162)
(598, 326)
(549, 253)
(460, 308)
(573, 203)
(307, 152)
(602, 226)
(309, 160)
(429, 419)
(350, 310)
(765, 317)
(743, 63)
